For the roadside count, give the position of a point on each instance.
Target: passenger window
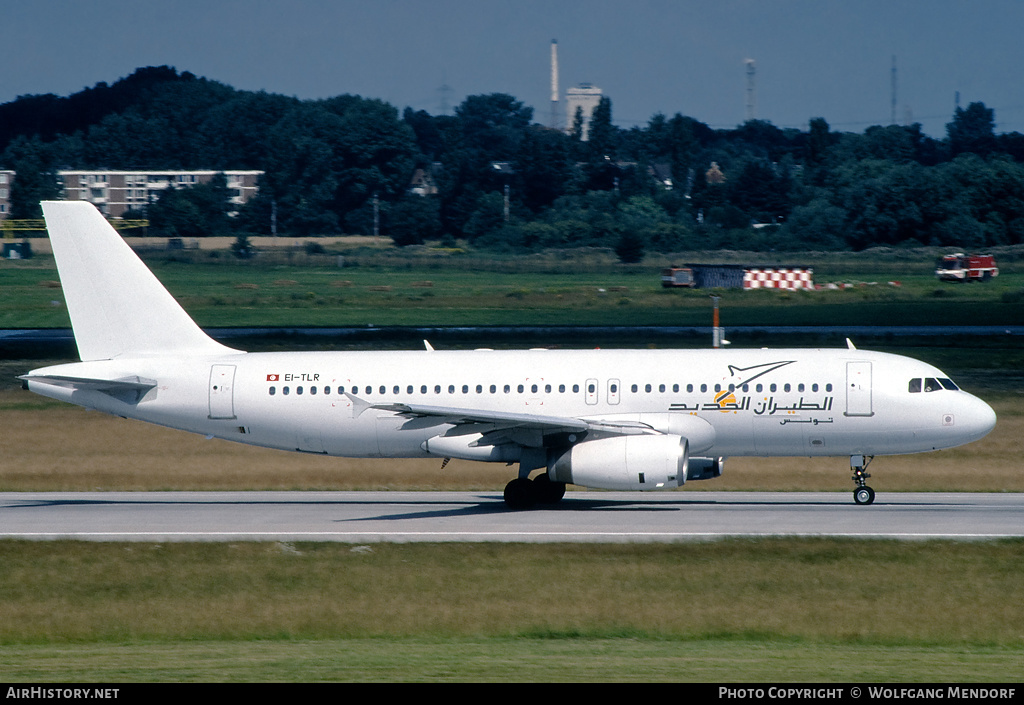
(647, 388)
(661, 387)
(451, 389)
(773, 387)
(479, 389)
(423, 389)
(533, 388)
(286, 390)
(633, 388)
(575, 389)
(675, 387)
(547, 389)
(341, 390)
(759, 387)
(703, 387)
(814, 387)
(408, 390)
(915, 386)
(312, 390)
(561, 389)
(298, 390)
(828, 387)
(437, 389)
(384, 390)
(520, 389)
(507, 389)
(786, 388)
(689, 388)
(494, 388)
(273, 391)
(800, 387)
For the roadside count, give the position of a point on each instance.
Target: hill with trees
(674, 184)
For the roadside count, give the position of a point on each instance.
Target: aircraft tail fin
(116, 304)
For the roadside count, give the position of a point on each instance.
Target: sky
(813, 58)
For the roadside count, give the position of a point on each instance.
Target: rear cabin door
(222, 392)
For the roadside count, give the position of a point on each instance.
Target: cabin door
(858, 389)
(222, 392)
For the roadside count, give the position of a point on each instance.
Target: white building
(586, 97)
(6, 179)
(115, 192)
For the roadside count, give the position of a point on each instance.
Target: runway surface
(609, 517)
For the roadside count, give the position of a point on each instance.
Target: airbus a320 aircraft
(612, 419)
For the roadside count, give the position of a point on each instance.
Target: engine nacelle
(624, 463)
(705, 468)
(466, 448)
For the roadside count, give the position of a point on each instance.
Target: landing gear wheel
(520, 494)
(859, 464)
(864, 495)
(546, 491)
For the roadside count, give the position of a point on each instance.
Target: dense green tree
(35, 180)
(972, 130)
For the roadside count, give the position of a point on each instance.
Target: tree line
(489, 175)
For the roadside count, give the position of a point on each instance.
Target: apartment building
(115, 192)
(6, 179)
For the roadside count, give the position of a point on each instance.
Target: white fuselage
(786, 402)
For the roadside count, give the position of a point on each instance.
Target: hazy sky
(814, 58)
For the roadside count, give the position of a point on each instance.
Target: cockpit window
(931, 384)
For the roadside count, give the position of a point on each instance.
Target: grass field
(771, 610)
(236, 294)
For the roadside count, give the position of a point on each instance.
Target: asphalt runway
(594, 517)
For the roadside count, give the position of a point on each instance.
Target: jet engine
(704, 468)
(624, 463)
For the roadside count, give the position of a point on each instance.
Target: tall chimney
(554, 84)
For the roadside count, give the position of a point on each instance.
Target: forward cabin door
(222, 392)
(858, 389)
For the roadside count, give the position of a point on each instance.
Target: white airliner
(612, 419)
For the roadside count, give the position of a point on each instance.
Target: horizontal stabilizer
(127, 389)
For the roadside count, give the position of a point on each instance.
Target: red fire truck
(966, 268)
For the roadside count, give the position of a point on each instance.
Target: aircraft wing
(501, 420)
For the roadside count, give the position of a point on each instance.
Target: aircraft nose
(976, 418)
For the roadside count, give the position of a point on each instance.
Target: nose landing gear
(859, 464)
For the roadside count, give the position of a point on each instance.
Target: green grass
(239, 294)
(780, 610)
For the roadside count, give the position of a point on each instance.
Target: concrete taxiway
(609, 517)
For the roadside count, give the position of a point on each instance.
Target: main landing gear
(523, 493)
(862, 494)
